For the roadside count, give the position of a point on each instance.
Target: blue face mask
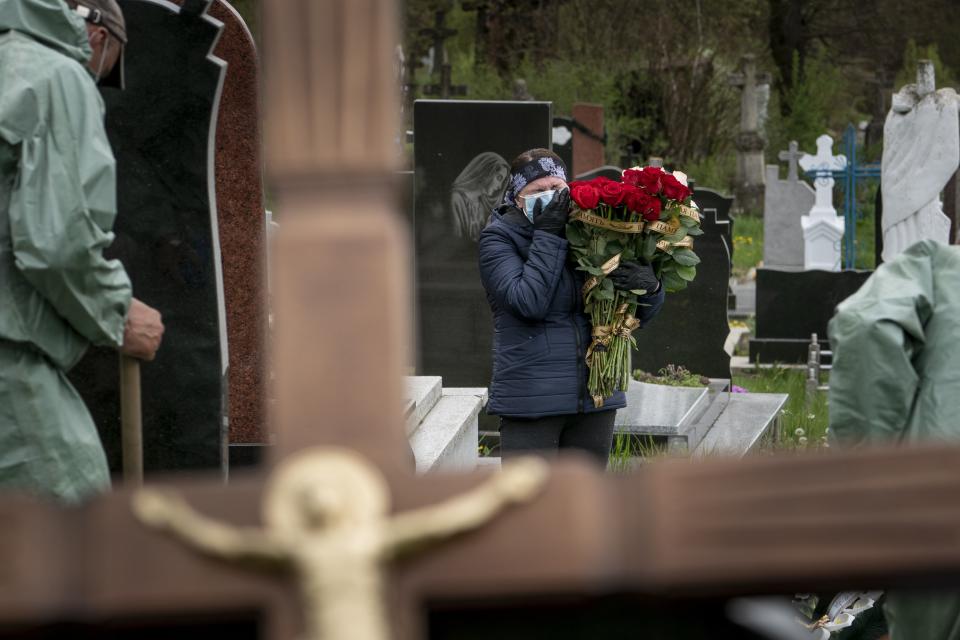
(529, 201)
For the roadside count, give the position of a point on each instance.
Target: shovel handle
(131, 421)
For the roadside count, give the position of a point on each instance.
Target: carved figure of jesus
(326, 516)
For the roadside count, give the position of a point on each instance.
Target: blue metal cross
(847, 180)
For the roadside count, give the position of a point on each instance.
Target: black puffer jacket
(541, 332)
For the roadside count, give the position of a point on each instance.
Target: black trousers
(591, 433)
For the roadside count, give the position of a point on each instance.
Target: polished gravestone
(161, 130)
(692, 326)
(716, 208)
(792, 305)
(462, 154)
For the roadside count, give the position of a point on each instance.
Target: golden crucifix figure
(326, 516)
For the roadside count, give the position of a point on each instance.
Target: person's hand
(634, 275)
(552, 218)
(143, 332)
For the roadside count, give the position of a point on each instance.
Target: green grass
(802, 426)
(629, 450)
(747, 243)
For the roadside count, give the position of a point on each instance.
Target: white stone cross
(791, 156)
(824, 164)
(822, 228)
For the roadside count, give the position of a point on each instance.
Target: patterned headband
(533, 170)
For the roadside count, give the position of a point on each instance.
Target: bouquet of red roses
(647, 217)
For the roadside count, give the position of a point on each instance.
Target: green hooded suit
(896, 378)
(57, 206)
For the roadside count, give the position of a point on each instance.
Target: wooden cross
(439, 32)
(791, 156)
(715, 529)
(445, 89)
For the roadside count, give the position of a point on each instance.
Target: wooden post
(342, 298)
(131, 420)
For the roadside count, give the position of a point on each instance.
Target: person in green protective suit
(896, 349)
(57, 205)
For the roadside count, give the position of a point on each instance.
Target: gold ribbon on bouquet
(594, 220)
(602, 335)
(664, 228)
(685, 243)
(607, 267)
(624, 324)
(690, 212)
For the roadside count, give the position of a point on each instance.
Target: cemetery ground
(803, 421)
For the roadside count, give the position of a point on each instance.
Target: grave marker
(162, 131)
(822, 228)
(240, 216)
(921, 152)
(461, 174)
(785, 202)
(750, 141)
(693, 325)
(634, 545)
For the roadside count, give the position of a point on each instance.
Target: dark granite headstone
(462, 154)
(878, 228)
(161, 132)
(719, 207)
(792, 305)
(692, 326)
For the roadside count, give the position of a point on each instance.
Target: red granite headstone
(240, 213)
(588, 152)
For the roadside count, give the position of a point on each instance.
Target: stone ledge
(741, 426)
(423, 393)
(447, 437)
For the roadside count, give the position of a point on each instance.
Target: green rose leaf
(686, 257)
(687, 273)
(673, 282)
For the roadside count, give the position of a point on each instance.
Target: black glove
(633, 275)
(552, 218)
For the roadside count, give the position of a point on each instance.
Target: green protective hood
(50, 22)
(896, 344)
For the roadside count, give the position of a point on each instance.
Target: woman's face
(540, 184)
(499, 181)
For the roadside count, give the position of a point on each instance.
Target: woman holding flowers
(539, 386)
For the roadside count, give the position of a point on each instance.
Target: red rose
(632, 177)
(634, 199)
(645, 205)
(650, 180)
(653, 209)
(585, 195)
(673, 189)
(612, 193)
